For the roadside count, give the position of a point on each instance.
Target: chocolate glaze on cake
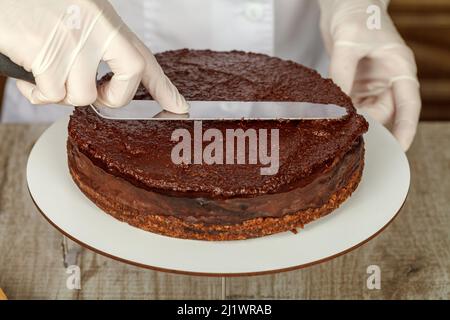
(126, 169)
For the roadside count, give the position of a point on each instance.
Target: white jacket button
(254, 11)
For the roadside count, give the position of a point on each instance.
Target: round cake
(126, 167)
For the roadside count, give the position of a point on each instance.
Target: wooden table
(413, 253)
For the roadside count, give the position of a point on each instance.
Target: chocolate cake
(126, 169)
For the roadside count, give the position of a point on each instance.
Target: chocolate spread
(139, 151)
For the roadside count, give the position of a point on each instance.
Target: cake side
(209, 219)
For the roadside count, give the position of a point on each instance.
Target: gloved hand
(373, 66)
(62, 43)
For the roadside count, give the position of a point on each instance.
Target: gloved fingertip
(180, 106)
(68, 101)
(170, 98)
(405, 143)
(404, 137)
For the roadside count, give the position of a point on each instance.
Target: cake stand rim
(212, 274)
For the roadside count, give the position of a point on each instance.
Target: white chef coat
(288, 29)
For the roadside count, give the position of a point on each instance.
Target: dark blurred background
(425, 25)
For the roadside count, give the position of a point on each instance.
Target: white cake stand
(376, 202)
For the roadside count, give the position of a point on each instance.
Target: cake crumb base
(253, 228)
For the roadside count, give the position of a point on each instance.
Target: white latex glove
(375, 67)
(62, 43)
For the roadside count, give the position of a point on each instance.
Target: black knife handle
(12, 70)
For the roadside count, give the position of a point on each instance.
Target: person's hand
(62, 42)
(373, 66)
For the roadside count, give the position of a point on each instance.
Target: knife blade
(224, 110)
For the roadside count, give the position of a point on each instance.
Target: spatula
(200, 110)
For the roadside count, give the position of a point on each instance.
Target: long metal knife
(224, 110)
(200, 110)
